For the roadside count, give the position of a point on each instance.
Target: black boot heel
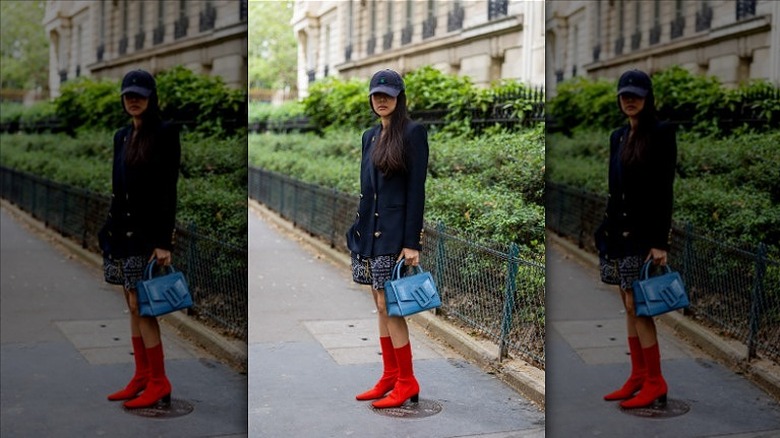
(415, 398)
(660, 401)
(164, 402)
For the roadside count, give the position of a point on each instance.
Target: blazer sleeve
(663, 193)
(168, 174)
(417, 171)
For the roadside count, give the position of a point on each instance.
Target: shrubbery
(204, 102)
(489, 188)
(702, 103)
(212, 187)
(728, 188)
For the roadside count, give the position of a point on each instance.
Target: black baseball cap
(634, 82)
(386, 81)
(138, 82)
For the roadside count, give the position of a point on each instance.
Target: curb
(728, 352)
(230, 351)
(522, 377)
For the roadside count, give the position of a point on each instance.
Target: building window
(406, 32)
(677, 27)
(350, 19)
(243, 10)
(326, 55)
(704, 17)
(159, 31)
(497, 9)
(123, 40)
(141, 35)
(597, 47)
(101, 48)
(455, 17)
(208, 16)
(655, 31)
(180, 26)
(371, 43)
(636, 37)
(387, 39)
(79, 41)
(746, 9)
(429, 25)
(620, 41)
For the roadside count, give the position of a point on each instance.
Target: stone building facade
(486, 40)
(734, 40)
(107, 38)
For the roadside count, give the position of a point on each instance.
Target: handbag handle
(149, 270)
(397, 270)
(646, 270)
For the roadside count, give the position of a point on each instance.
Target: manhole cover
(423, 408)
(673, 408)
(177, 408)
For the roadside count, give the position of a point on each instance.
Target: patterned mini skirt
(372, 270)
(621, 271)
(126, 271)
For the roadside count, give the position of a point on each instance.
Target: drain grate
(423, 408)
(673, 408)
(177, 408)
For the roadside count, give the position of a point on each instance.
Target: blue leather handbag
(407, 295)
(162, 294)
(660, 294)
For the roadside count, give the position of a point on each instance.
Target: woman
(389, 225)
(642, 160)
(140, 226)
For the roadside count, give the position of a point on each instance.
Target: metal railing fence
(734, 290)
(491, 291)
(216, 272)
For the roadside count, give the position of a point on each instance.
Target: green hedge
(490, 188)
(728, 188)
(206, 101)
(212, 187)
(679, 95)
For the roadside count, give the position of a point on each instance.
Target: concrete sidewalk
(587, 357)
(64, 345)
(313, 345)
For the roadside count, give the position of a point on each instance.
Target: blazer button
(110, 234)
(626, 233)
(358, 214)
(129, 234)
(358, 233)
(128, 214)
(377, 234)
(376, 214)
(606, 233)
(361, 196)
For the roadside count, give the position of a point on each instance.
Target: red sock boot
(654, 389)
(406, 386)
(141, 376)
(389, 374)
(159, 388)
(638, 373)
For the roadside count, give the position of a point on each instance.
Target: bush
(205, 103)
(333, 101)
(489, 188)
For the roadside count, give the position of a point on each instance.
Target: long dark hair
(139, 144)
(635, 146)
(389, 154)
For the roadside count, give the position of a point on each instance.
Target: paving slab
(313, 345)
(587, 358)
(64, 345)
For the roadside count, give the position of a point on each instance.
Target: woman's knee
(132, 301)
(379, 300)
(628, 301)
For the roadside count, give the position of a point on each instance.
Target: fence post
(688, 255)
(440, 254)
(756, 300)
(509, 299)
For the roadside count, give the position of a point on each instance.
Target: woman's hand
(163, 256)
(411, 256)
(658, 256)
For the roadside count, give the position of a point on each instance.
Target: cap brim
(145, 92)
(631, 89)
(390, 91)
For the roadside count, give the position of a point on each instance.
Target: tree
(24, 47)
(273, 49)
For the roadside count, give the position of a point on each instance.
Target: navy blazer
(142, 215)
(639, 204)
(390, 211)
